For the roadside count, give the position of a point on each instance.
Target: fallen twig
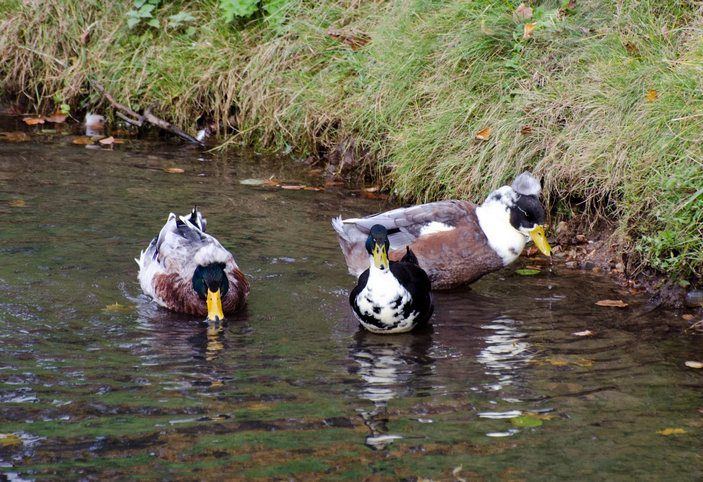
(128, 115)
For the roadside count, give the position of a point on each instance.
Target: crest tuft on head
(526, 184)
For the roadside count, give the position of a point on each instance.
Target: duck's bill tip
(540, 240)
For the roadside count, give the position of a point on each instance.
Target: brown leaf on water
(32, 121)
(56, 118)
(526, 130)
(671, 431)
(292, 187)
(694, 364)
(651, 95)
(9, 440)
(687, 317)
(373, 195)
(313, 188)
(484, 134)
(17, 203)
(82, 140)
(14, 137)
(528, 29)
(174, 170)
(612, 303)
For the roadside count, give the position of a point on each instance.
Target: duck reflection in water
(389, 367)
(474, 346)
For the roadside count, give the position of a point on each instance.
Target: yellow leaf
(484, 134)
(694, 364)
(117, 308)
(651, 95)
(671, 431)
(174, 170)
(9, 439)
(17, 203)
(612, 303)
(528, 29)
(82, 140)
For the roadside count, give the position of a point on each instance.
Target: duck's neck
(494, 218)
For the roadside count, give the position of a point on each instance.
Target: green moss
(433, 75)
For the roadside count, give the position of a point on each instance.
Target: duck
(390, 296)
(187, 270)
(456, 242)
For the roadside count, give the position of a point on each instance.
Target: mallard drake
(185, 269)
(390, 296)
(456, 242)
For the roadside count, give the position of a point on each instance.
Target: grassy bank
(602, 99)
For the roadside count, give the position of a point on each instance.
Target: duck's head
(377, 246)
(211, 284)
(513, 214)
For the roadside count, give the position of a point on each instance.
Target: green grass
(433, 75)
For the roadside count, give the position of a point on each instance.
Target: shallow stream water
(99, 383)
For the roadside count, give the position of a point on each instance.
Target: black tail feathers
(409, 257)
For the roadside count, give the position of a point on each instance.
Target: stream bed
(96, 382)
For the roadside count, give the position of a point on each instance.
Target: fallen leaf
(526, 421)
(651, 95)
(522, 12)
(253, 182)
(174, 170)
(108, 141)
(526, 130)
(31, 121)
(355, 40)
(85, 37)
(484, 134)
(17, 203)
(671, 431)
(9, 439)
(694, 364)
(333, 183)
(56, 118)
(583, 333)
(612, 303)
(14, 136)
(313, 188)
(528, 29)
(292, 187)
(82, 140)
(527, 271)
(117, 308)
(372, 189)
(373, 195)
(687, 317)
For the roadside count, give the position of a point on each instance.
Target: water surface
(98, 382)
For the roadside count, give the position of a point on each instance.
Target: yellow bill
(540, 240)
(214, 306)
(380, 257)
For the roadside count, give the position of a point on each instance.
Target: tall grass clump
(602, 99)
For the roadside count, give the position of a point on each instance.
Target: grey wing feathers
(405, 224)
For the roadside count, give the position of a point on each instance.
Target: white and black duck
(185, 269)
(390, 296)
(456, 242)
